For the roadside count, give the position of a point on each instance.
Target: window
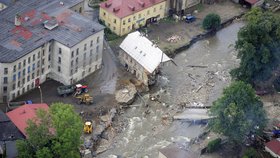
(114, 28)
(91, 43)
(38, 73)
(33, 75)
(5, 98)
(43, 70)
(123, 29)
(33, 67)
(18, 75)
(50, 48)
(155, 9)
(77, 51)
(128, 20)
(59, 50)
(28, 87)
(15, 68)
(49, 58)
(58, 69)
(33, 57)
(23, 72)
(85, 56)
(38, 63)
(123, 22)
(32, 84)
(85, 47)
(72, 63)
(19, 65)
(148, 12)
(76, 69)
(13, 95)
(23, 81)
(71, 72)
(29, 59)
(59, 60)
(39, 54)
(128, 28)
(160, 7)
(77, 60)
(89, 70)
(115, 21)
(97, 49)
(24, 62)
(18, 84)
(28, 69)
(97, 40)
(5, 71)
(43, 61)
(139, 16)
(5, 89)
(134, 17)
(43, 52)
(28, 78)
(104, 13)
(14, 77)
(72, 54)
(80, 9)
(14, 86)
(23, 90)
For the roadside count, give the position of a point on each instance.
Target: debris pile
(174, 39)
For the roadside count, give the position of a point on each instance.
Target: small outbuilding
(141, 57)
(273, 147)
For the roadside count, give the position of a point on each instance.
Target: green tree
(258, 46)
(238, 113)
(212, 21)
(53, 133)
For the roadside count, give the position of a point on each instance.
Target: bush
(250, 153)
(211, 22)
(214, 145)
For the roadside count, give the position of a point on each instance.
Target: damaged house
(141, 57)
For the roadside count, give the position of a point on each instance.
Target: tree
(53, 133)
(238, 113)
(258, 46)
(212, 21)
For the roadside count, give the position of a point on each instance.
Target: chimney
(17, 20)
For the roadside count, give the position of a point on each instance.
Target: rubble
(126, 95)
(193, 114)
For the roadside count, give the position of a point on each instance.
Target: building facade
(124, 16)
(33, 49)
(180, 7)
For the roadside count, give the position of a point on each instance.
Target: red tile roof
(123, 8)
(20, 115)
(274, 146)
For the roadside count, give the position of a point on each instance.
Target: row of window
(85, 47)
(134, 17)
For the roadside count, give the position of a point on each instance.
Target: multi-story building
(46, 39)
(123, 16)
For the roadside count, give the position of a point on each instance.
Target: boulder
(126, 95)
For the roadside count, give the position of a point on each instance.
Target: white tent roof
(143, 51)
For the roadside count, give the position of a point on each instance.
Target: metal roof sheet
(143, 51)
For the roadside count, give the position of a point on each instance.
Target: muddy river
(201, 73)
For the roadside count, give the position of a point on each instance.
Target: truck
(14, 105)
(65, 90)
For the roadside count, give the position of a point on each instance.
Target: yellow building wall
(134, 21)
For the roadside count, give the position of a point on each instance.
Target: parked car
(190, 18)
(65, 90)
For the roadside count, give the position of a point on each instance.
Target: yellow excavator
(84, 99)
(88, 127)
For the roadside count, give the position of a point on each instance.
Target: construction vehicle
(85, 99)
(88, 127)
